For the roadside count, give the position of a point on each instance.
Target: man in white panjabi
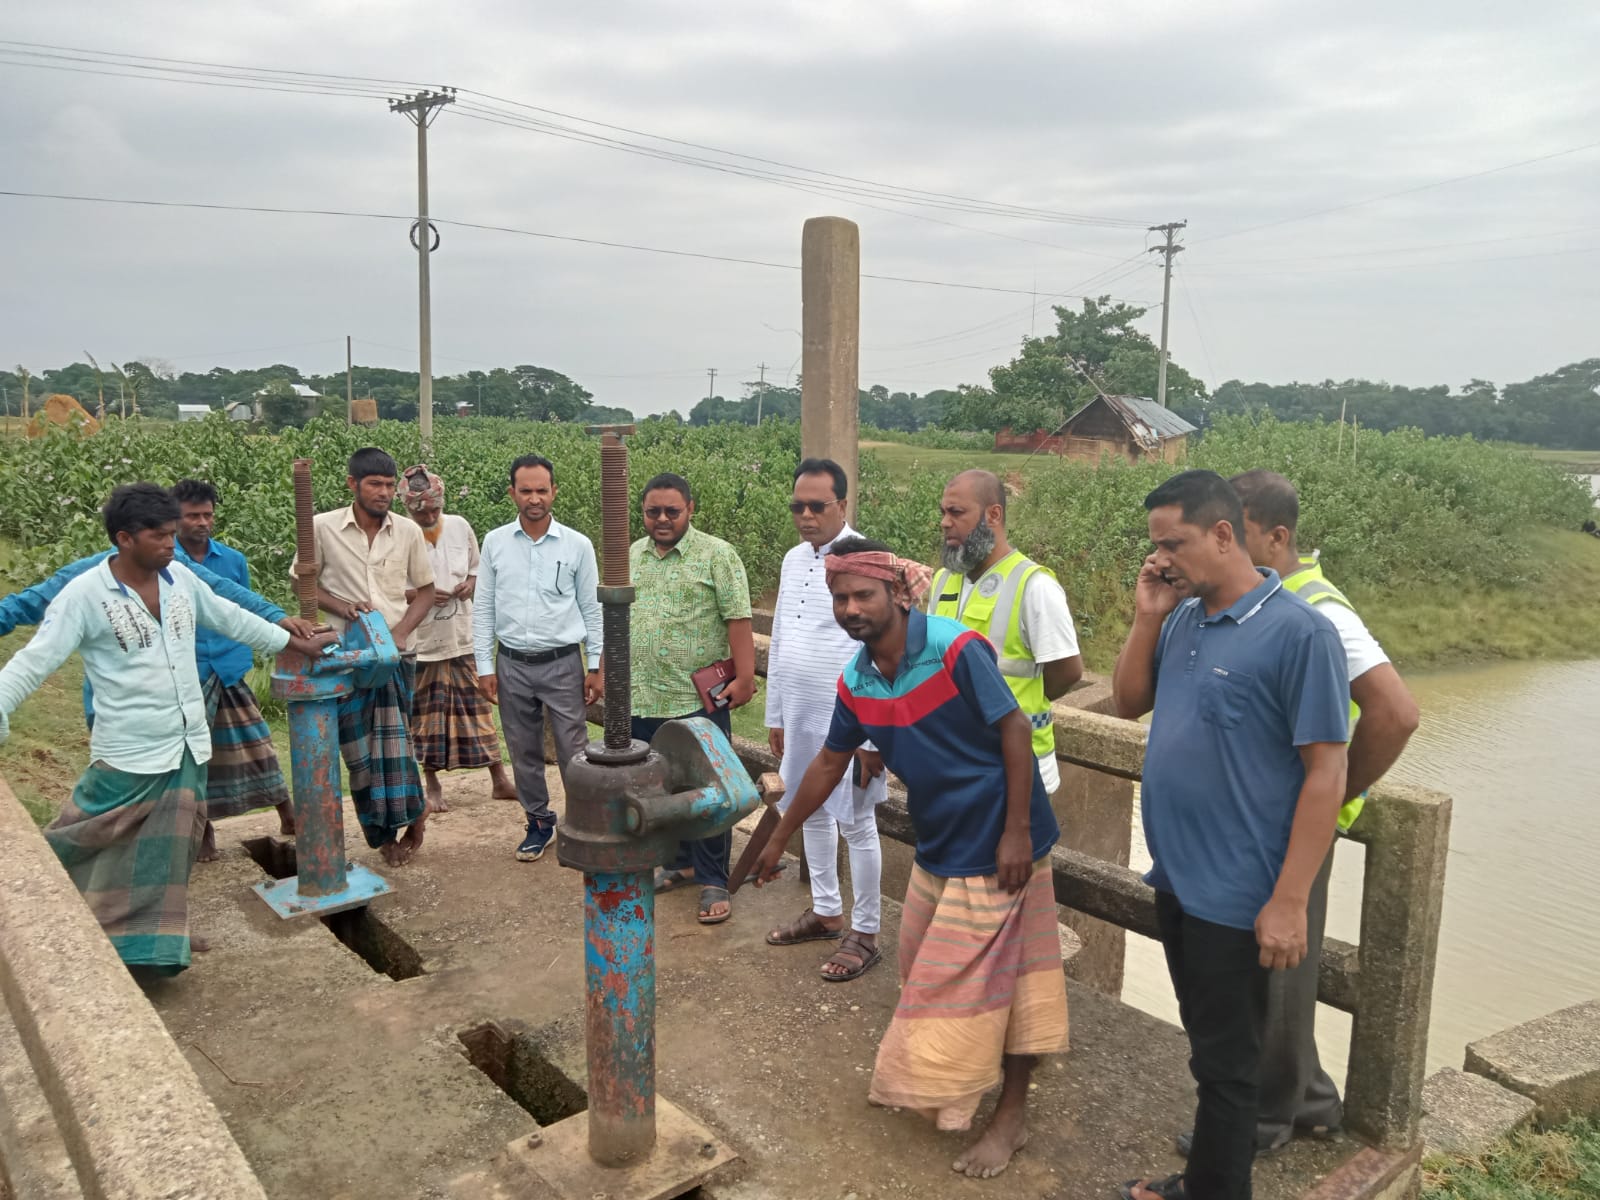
(808, 652)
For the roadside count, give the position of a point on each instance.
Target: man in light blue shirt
(130, 833)
(537, 607)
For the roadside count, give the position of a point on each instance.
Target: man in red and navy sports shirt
(982, 992)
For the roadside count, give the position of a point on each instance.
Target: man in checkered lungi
(244, 773)
(452, 726)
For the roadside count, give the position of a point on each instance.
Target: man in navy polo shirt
(1243, 778)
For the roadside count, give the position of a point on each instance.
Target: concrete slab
(1463, 1114)
(340, 1082)
(33, 1159)
(1554, 1060)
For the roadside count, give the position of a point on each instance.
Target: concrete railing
(1385, 982)
(133, 1118)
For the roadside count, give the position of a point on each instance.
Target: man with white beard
(1012, 601)
(809, 651)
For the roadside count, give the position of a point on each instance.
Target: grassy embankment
(1557, 1164)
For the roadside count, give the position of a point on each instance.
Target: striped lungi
(128, 842)
(980, 977)
(243, 773)
(452, 726)
(376, 744)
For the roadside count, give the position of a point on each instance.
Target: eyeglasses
(671, 514)
(815, 507)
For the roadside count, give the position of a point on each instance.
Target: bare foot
(394, 854)
(199, 944)
(412, 841)
(992, 1152)
(286, 819)
(433, 794)
(208, 845)
(504, 789)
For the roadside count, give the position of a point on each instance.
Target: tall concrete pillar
(830, 361)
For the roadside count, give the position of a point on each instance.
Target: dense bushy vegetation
(1390, 509)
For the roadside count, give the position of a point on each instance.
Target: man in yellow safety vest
(1012, 601)
(1297, 1096)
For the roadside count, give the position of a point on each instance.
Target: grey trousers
(526, 692)
(1295, 1090)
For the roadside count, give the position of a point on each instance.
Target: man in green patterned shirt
(692, 609)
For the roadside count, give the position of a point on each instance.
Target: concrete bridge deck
(342, 1082)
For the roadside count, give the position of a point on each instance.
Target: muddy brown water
(1515, 745)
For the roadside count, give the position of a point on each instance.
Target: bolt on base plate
(362, 886)
(686, 1152)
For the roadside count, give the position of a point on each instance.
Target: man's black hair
(194, 491)
(532, 460)
(133, 507)
(1268, 498)
(859, 545)
(825, 466)
(370, 460)
(1205, 498)
(670, 482)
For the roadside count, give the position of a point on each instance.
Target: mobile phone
(861, 772)
(715, 691)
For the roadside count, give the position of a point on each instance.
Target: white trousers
(821, 833)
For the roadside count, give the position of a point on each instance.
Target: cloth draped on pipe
(128, 842)
(980, 977)
(375, 740)
(244, 773)
(452, 726)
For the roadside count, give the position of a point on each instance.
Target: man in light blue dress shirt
(130, 833)
(536, 636)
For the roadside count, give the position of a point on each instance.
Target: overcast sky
(1232, 114)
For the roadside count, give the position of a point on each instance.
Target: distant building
(193, 412)
(1129, 427)
(250, 410)
(464, 408)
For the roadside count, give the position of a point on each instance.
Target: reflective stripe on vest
(998, 616)
(1312, 586)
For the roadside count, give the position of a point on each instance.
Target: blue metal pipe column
(324, 882)
(628, 806)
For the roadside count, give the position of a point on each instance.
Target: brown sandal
(852, 947)
(807, 927)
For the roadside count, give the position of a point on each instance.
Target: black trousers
(1222, 1000)
(710, 857)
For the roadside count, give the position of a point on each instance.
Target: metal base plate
(361, 887)
(686, 1153)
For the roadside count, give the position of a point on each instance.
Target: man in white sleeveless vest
(1012, 601)
(809, 651)
(1297, 1096)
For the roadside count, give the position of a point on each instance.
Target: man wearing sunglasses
(692, 610)
(809, 651)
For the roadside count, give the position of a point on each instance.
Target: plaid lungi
(128, 842)
(243, 773)
(980, 977)
(452, 726)
(376, 744)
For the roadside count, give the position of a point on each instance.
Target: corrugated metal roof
(1147, 421)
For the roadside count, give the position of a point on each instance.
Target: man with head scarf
(982, 992)
(452, 726)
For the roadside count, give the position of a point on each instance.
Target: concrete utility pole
(421, 110)
(830, 321)
(761, 392)
(1167, 252)
(711, 388)
(349, 384)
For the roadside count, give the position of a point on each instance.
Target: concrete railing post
(135, 1120)
(830, 320)
(1407, 835)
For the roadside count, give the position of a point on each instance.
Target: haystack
(63, 411)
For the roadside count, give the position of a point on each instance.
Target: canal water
(1517, 745)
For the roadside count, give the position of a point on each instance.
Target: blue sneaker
(536, 842)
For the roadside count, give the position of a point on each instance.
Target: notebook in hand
(712, 682)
